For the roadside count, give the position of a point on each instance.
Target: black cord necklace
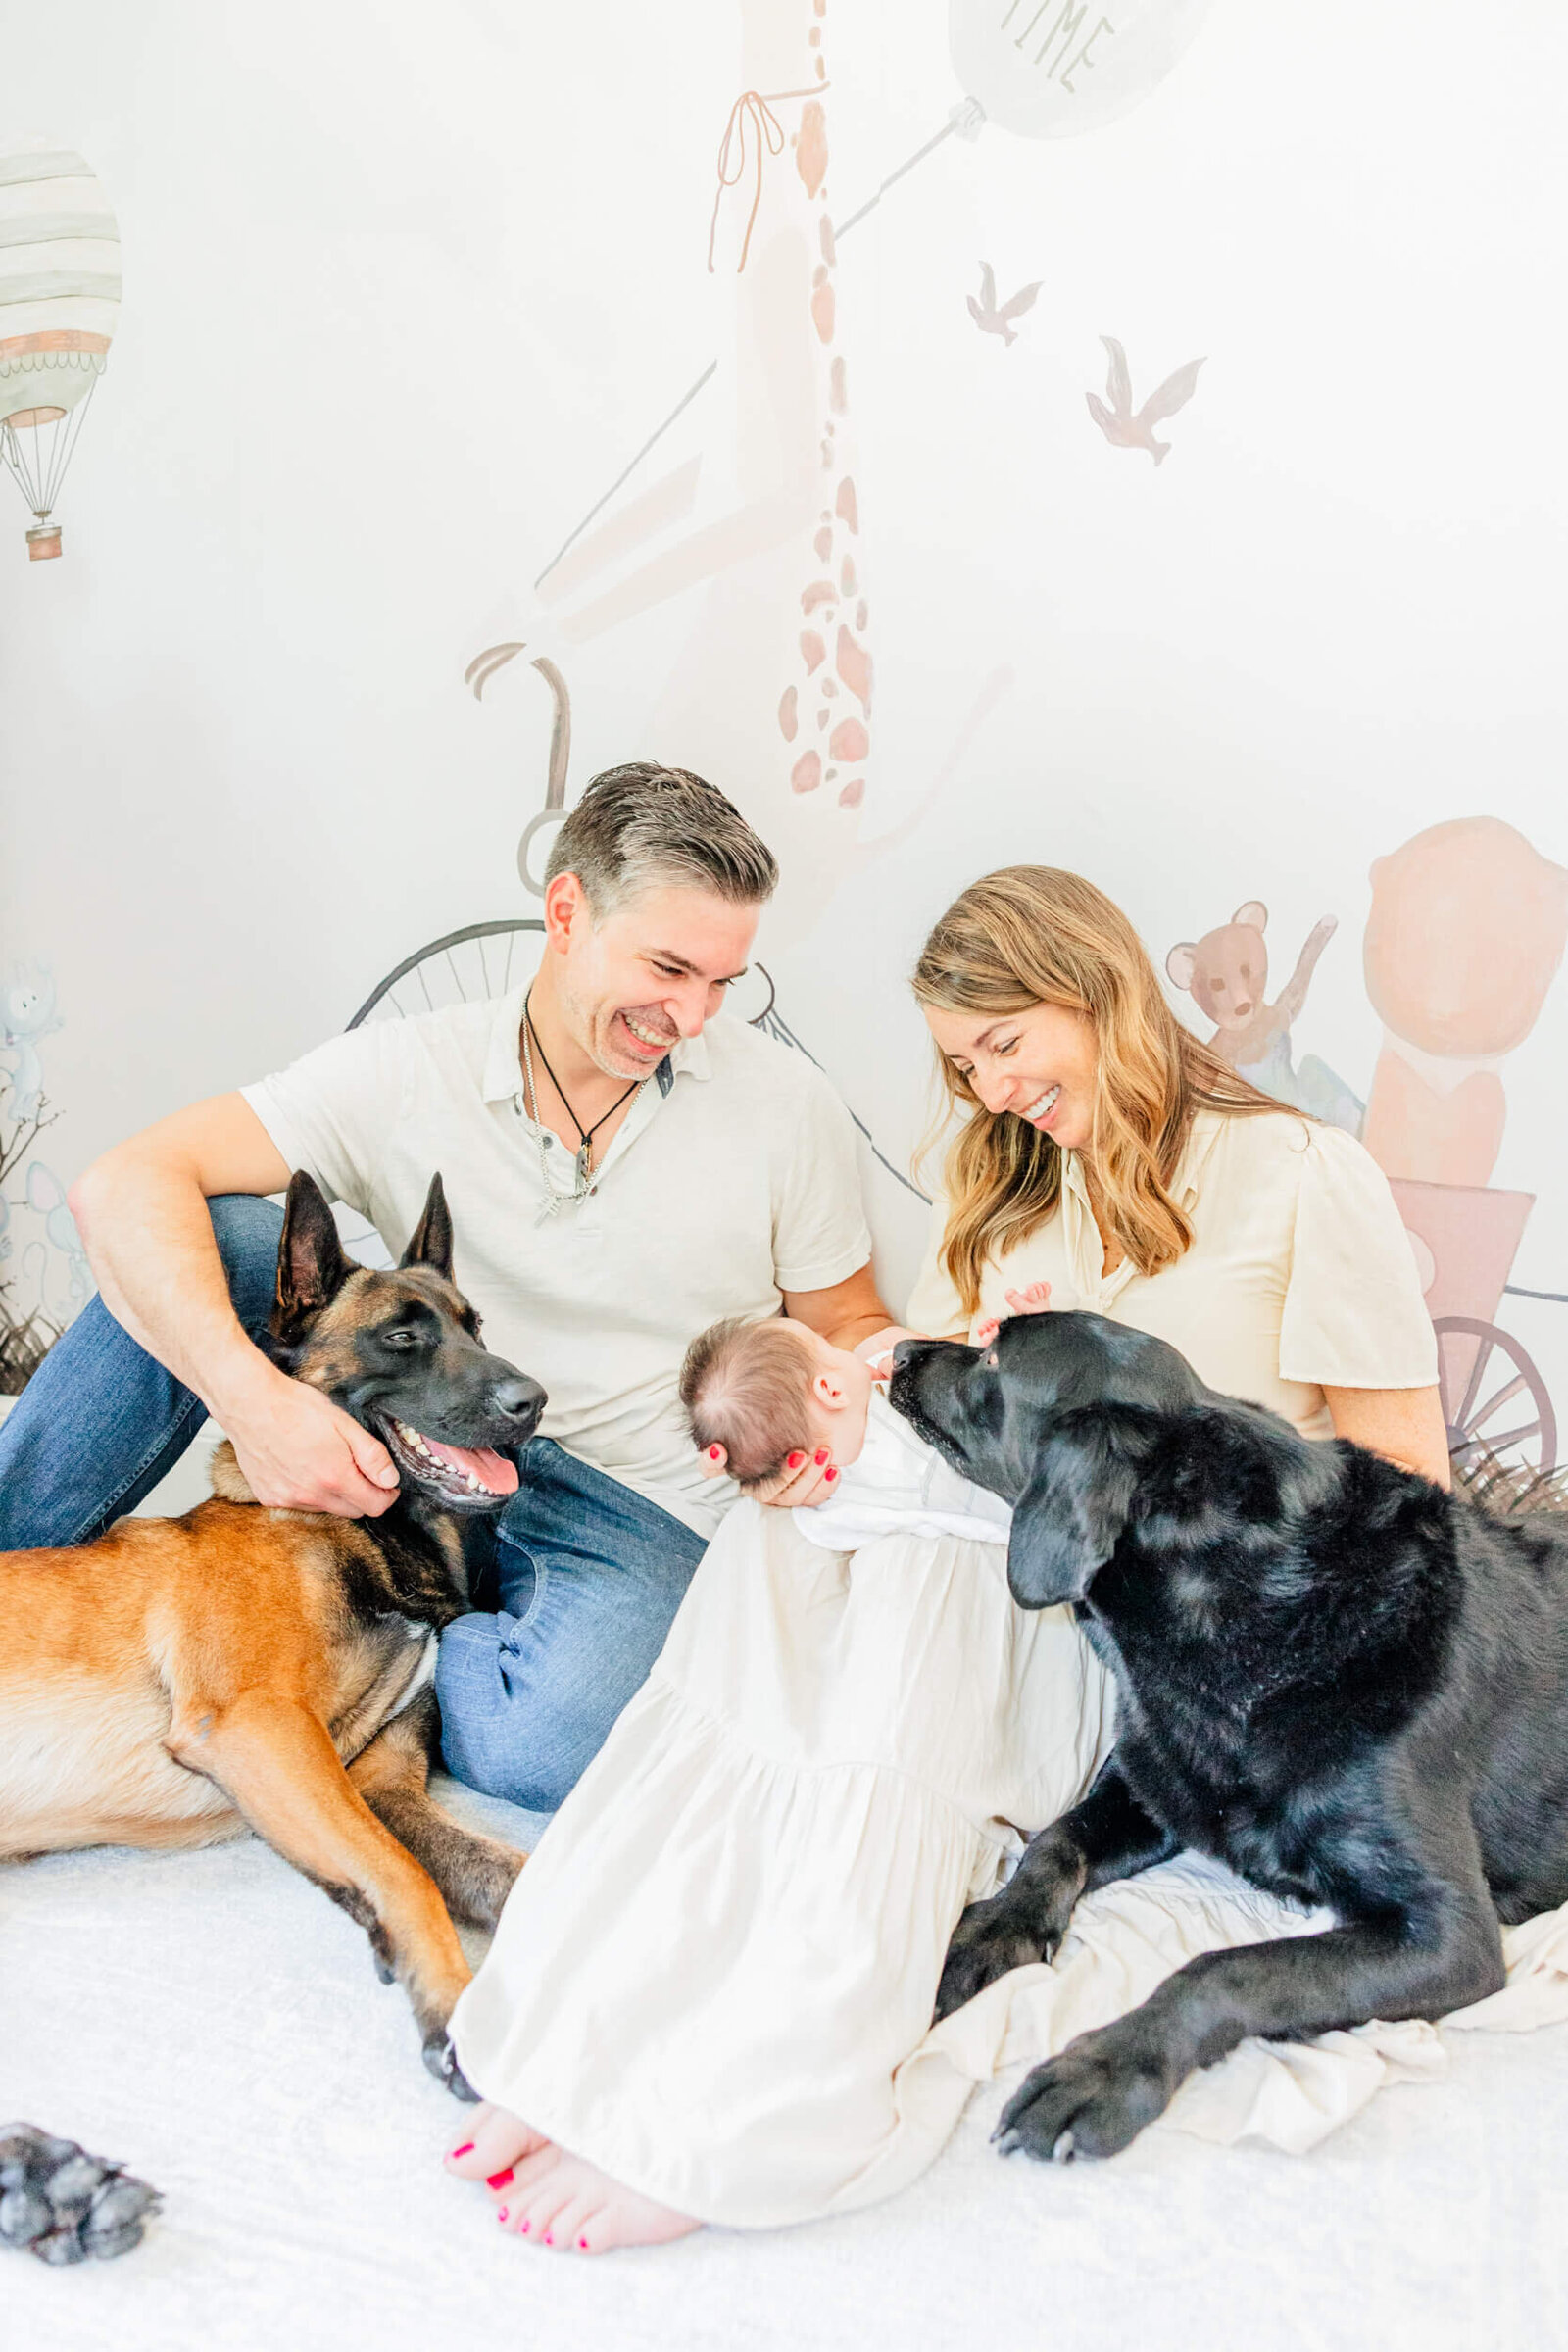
(585, 1135)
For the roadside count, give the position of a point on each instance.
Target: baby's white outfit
(901, 1486)
(714, 1979)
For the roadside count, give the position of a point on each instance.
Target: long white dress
(712, 1974)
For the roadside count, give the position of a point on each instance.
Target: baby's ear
(827, 1389)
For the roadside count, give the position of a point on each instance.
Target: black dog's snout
(520, 1399)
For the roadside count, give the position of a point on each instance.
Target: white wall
(405, 289)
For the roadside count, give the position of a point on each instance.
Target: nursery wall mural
(801, 450)
(59, 305)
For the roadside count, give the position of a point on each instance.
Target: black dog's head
(1057, 1417)
(400, 1351)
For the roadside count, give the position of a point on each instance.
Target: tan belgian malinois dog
(181, 1680)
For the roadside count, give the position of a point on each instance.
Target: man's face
(655, 969)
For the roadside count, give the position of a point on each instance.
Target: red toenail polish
(466, 2149)
(548, 2240)
(582, 2245)
(502, 2215)
(526, 2227)
(501, 2180)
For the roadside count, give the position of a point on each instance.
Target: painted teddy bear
(1226, 973)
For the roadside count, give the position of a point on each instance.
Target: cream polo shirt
(1300, 1276)
(732, 1179)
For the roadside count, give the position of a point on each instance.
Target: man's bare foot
(497, 2140)
(558, 2200)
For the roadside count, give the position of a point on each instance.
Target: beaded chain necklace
(586, 1184)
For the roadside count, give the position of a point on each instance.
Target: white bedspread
(215, 2022)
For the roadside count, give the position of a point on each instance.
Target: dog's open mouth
(471, 1475)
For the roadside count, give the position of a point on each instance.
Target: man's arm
(142, 1214)
(845, 1314)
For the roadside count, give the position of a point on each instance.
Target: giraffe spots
(849, 506)
(830, 687)
(814, 652)
(830, 251)
(861, 614)
(827, 456)
(807, 773)
(823, 544)
(846, 577)
(820, 592)
(849, 742)
(838, 389)
(854, 666)
(829, 776)
(822, 312)
(854, 793)
(788, 721)
(823, 717)
(814, 36)
(811, 151)
(821, 70)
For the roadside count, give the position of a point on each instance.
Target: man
(620, 1174)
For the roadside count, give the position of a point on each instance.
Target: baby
(759, 1396)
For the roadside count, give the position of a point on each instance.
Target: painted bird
(988, 318)
(1121, 428)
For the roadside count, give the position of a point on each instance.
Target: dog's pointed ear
(312, 1267)
(1070, 1516)
(432, 1241)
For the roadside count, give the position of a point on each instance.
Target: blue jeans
(588, 1575)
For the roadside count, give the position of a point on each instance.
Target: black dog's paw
(1091, 2101)
(990, 1940)
(442, 2060)
(64, 2205)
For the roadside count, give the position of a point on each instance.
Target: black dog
(1347, 1683)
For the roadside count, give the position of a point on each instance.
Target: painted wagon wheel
(1498, 1406)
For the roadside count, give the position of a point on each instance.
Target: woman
(710, 1995)
(1109, 1152)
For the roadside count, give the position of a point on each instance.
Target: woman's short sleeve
(934, 1302)
(1353, 1315)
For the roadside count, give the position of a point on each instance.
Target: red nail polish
(548, 2240)
(713, 1452)
(501, 2180)
(582, 2245)
(821, 1456)
(526, 2227)
(832, 1474)
(466, 2149)
(794, 1461)
(502, 2215)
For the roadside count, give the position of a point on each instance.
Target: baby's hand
(1033, 1299)
(877, 1350)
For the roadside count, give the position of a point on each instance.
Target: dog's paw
(64, 2205)
(990, 1940)
(442, 2060)
(1091, 2101)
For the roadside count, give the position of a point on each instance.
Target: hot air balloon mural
(58, 303)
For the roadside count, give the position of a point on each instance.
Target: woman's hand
(1033, 1299)
(806, 1478)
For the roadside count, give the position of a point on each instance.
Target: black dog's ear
(431, 1242)
(312, 1267)
(1070, 1515)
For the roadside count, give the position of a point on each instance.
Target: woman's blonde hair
(1033, 935)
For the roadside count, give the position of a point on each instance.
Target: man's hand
(1031, 1300)
(300, 1452)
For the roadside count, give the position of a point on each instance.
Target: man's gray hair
(640, 825)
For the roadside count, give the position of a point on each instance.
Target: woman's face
(1038, 1065)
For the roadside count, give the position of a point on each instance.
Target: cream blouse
(1300, 1276)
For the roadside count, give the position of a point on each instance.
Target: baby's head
(761, 1391)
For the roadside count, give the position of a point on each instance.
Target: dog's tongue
(493, 1471)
